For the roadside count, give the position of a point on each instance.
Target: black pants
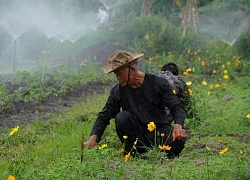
(128, 125)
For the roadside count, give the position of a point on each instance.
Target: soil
(25, 113)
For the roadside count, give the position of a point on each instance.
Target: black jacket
(150, 100)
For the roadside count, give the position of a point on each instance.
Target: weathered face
(122, 75)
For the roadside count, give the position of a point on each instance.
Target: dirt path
(27, 112)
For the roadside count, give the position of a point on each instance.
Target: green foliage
(5, 96)
(243, 45)
(33, 86)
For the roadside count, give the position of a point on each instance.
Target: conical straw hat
(120, 59)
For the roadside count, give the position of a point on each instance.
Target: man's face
(122, 76)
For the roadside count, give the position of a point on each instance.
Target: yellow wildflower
(225, 76)
(190, 91)
(208, 93)
(10, 177)
(228, 63)
(189, 70)
(185, 73)
(241, 152)
(151, 126)
(188, 83)
(165, 148)
(122, 150)
(126, 157)
(125, 137)
(208, 149)
(225, 71)
(248, 116)
(162, 134)
(174, 91)
(204, 83)
(13, 130)
(203, 63)
(223, 151)
(214, 71)
(217, 85)
(103, 146)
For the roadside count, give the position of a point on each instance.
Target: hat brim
(108, 67)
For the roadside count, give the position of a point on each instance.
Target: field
(218, 145)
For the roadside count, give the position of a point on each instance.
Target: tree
(189, 14)
(146, 7)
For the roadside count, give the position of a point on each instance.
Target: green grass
(51, 149)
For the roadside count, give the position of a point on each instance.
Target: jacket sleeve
(172, 102)
(109, 111)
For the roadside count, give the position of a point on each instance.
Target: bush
(243, 45)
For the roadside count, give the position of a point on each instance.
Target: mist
(225, 23)
(31, 32)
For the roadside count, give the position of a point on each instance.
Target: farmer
(170, 72)
(138, 103)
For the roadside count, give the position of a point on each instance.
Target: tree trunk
(189, 14)
(146, 7)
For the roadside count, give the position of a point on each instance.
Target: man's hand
(90, 143)
(178, 132)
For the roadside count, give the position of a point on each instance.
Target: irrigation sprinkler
(45, 59)
(14, 57)
(81, 156)
(73, 54)
(14, 61)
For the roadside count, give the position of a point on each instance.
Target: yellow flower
(190, 91)
(228, 63)
(151, 126)
(162, 134)
(126, 157)
(241, 152)
(10, 177)
(165, 148)
(203, 63)
(125, 137)
(223, 151)
(103, 146)
(122, 150)
(185, 73)
(208, 149)
(208, 93)
(225, 71)
(225, 76)
(189, 70)
(217, 85)
(174, 91)
(204, 83)
(188, 83)
(248, 116)
(214, 71)
(13, 130)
